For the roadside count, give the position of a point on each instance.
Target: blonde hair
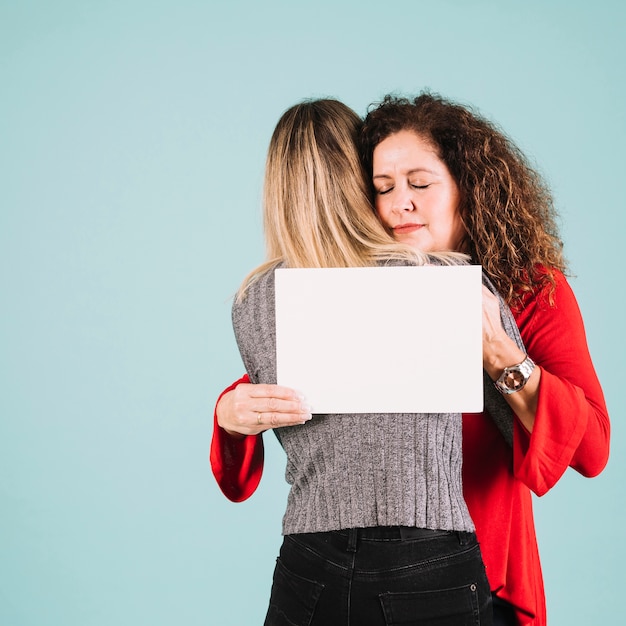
(316, 203)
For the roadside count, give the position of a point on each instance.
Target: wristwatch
(515, 377)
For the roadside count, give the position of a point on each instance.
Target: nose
(402, 200)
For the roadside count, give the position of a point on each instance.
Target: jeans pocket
(293, 598)
(457, 606)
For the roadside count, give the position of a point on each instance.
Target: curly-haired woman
(444, 178)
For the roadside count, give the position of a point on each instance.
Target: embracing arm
(571, 424)
(242, 413)
(236, 459)
(501, 350)
(244, 410)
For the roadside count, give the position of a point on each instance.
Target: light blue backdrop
(132, 141)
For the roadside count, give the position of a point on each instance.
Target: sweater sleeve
(237, 464)
(572, 423)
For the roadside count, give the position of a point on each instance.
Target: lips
(403, 229)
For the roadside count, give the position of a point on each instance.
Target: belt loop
(352, 537)
(464, 537)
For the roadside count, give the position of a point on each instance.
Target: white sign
(382, 339)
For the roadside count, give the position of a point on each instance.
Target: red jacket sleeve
(572, 423)
(237, 464)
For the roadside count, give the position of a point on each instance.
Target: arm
(500, 351)
(243, 410)
(236, 461)
(237, 446)
(571, 424)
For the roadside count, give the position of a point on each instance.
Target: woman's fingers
(251, 409)
(281, 403)
(492, 322)
(499, 350)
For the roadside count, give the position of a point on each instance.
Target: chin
(414, 242)
(419, 245)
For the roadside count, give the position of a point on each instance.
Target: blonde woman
(376, 530)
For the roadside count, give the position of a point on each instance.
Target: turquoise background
(132, 143)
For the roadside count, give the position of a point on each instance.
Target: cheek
(381, 210)
(458, 232)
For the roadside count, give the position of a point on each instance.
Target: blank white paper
(382, 339)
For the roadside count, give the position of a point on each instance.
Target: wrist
(219, 410)
(514, 377)
(499, 354)
(233, 433)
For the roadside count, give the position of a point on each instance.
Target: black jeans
(503, 613)
(383, 576)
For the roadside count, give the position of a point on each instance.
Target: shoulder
(256, 285)
(550, 289)
(552, 306)
(556, 292)
(260, 280)
(255, 304)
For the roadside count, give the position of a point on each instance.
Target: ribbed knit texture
(360, 470)
(495, 405)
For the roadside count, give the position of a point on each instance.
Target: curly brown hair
(506, 207)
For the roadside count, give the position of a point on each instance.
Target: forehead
(405, 149)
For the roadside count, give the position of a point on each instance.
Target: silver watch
(515, 377)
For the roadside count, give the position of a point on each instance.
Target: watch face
(514, 379)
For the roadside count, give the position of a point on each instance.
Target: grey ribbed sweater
(360, 470)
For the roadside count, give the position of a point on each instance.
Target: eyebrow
(413, 171)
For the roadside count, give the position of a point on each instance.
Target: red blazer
(571, 430)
